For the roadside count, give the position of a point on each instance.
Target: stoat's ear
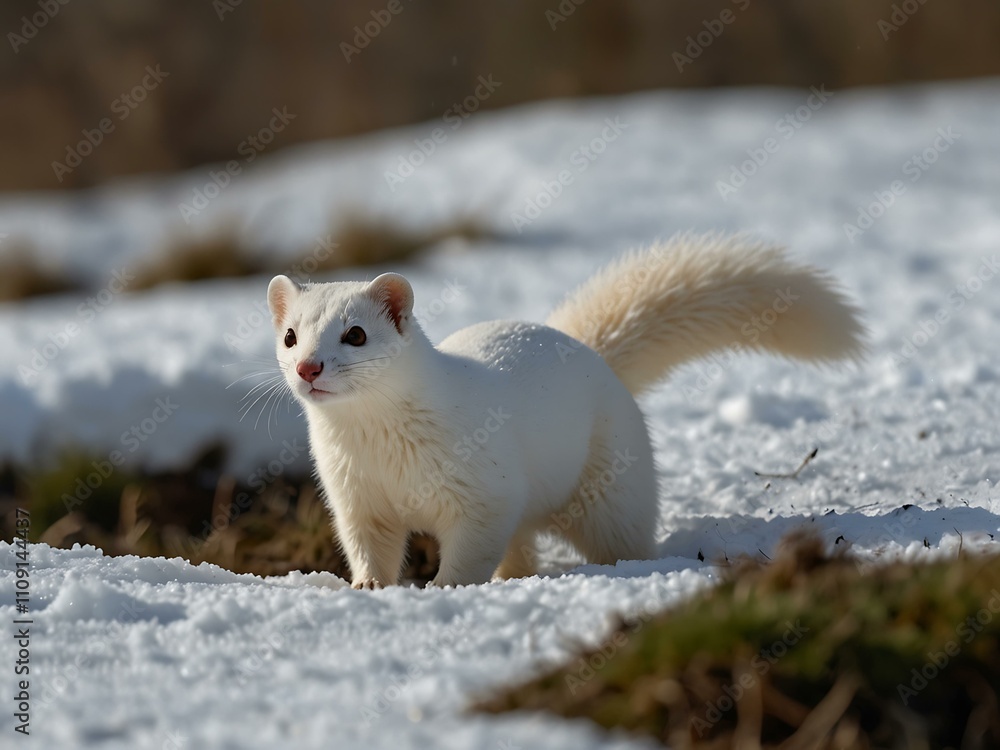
(395, 292)
(280, 293)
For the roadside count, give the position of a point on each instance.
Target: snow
(130, 652)
(139, 653)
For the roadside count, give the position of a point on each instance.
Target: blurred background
(96, 90)
(230, 61)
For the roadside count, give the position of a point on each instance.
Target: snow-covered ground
(138, 653)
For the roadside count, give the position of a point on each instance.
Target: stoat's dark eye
(290, 338)
(355, 336)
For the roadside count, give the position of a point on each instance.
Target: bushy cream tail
(653, 310)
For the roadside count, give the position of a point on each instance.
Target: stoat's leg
(521, 556)
(471, 550)
(374, 547)
(614, 508)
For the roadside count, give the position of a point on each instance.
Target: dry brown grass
(363, 242)
(22, 275)
(218, 256)
(359, 241)
(282, 528)
(216, 93)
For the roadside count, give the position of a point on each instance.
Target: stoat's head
(343, 340)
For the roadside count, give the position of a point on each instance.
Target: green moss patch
(808, 652)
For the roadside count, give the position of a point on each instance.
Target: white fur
(506, 428)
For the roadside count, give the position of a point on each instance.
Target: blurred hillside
(91, 90)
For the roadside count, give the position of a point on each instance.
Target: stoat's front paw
(440, 582)
(367, 583)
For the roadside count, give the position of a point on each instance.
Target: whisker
(271, 394)
(271, 375)
(363, 368)
(245, 403)
(250, 375)
(361, 362)
(266, 361)
(270, 413)
(248, 409)
(257, 387)
(285, 394)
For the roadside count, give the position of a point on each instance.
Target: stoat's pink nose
(309, 371)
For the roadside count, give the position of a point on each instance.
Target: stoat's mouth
(310, 393)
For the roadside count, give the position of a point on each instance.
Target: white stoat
(485, 439)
